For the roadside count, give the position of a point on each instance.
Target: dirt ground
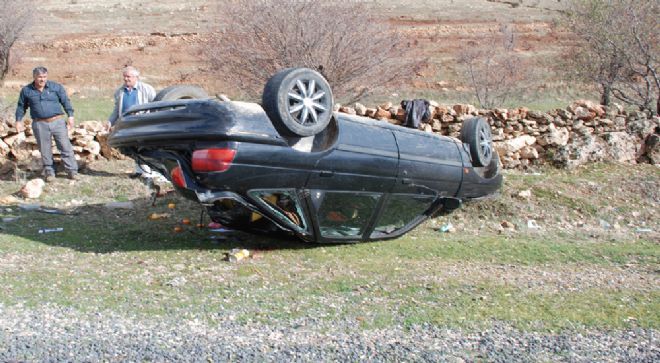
(85, 43)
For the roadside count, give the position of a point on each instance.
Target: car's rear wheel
(476, 133)
(180, 92)
(298, 102)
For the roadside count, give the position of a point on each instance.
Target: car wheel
(298, 102)
(476, 133)
(180, 92)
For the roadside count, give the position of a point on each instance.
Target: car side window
(399, 211)
(284, 203)
(345, 214)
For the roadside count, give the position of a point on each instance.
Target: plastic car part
(476, 133)
(177, 177)
(180, 92)
(212, 160)
(298, 102)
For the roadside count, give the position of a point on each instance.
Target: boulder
(621, 147)
(651, 149)
(555, 136)
(33, 188)
(382, 113)
(360, 109)
(347, 110)
(529, 152)
(509, 147)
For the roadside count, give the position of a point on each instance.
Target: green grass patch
(118, 260)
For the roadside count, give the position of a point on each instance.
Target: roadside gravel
(54, 334)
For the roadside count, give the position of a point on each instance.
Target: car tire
(476, 133)
(298, 102)
(180, 92)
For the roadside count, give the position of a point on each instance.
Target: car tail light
(177, 177)
(208, 160)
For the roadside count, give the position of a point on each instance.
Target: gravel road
(55, 334)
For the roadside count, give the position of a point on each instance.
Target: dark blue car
(291, 165)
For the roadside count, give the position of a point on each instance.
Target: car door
(365, 158)
(428, 165)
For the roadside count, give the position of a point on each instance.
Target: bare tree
(341, 40)
(14, 18)
(493, 68)
(617, 45)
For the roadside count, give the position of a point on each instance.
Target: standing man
(132, 92)
(45, 99)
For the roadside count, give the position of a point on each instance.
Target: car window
(284, 203)
(400, 210)
(345, 214)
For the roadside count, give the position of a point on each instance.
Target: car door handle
(327, 174)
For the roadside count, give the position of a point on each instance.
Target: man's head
(131, 76)
(40, 75)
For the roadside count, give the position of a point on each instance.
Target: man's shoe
(134, 175)
(49, 178)
(73, 176)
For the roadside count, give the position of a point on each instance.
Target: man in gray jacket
(132, 92)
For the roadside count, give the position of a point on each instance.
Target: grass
(118, 260)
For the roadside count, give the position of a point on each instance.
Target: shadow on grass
(101, 228)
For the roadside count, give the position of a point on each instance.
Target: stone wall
(20, 151)
(581, 133)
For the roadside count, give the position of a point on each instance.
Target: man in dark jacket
(45, 99)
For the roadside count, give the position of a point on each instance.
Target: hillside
(85, 43)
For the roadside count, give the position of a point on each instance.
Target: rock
(621, 147)
(611, 146)
(93, 147)
(583, 113)
(529, 152)
(501, 113)
(525, 194)
(508, 225)
(15, 140)
(426, 127)
(464, 109)
(640, 127)
(360, 109)
(382, 113)
(435, 125)
(33, 188)
(9, 200)
(4, 148)
(514, 145)
(537, 115)
(651, 149)
(564, 114)
(441, 111)
(347, 110)
(554, 136)
(447, 118)
(620, 122)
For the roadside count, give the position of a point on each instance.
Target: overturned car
(291, 165)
